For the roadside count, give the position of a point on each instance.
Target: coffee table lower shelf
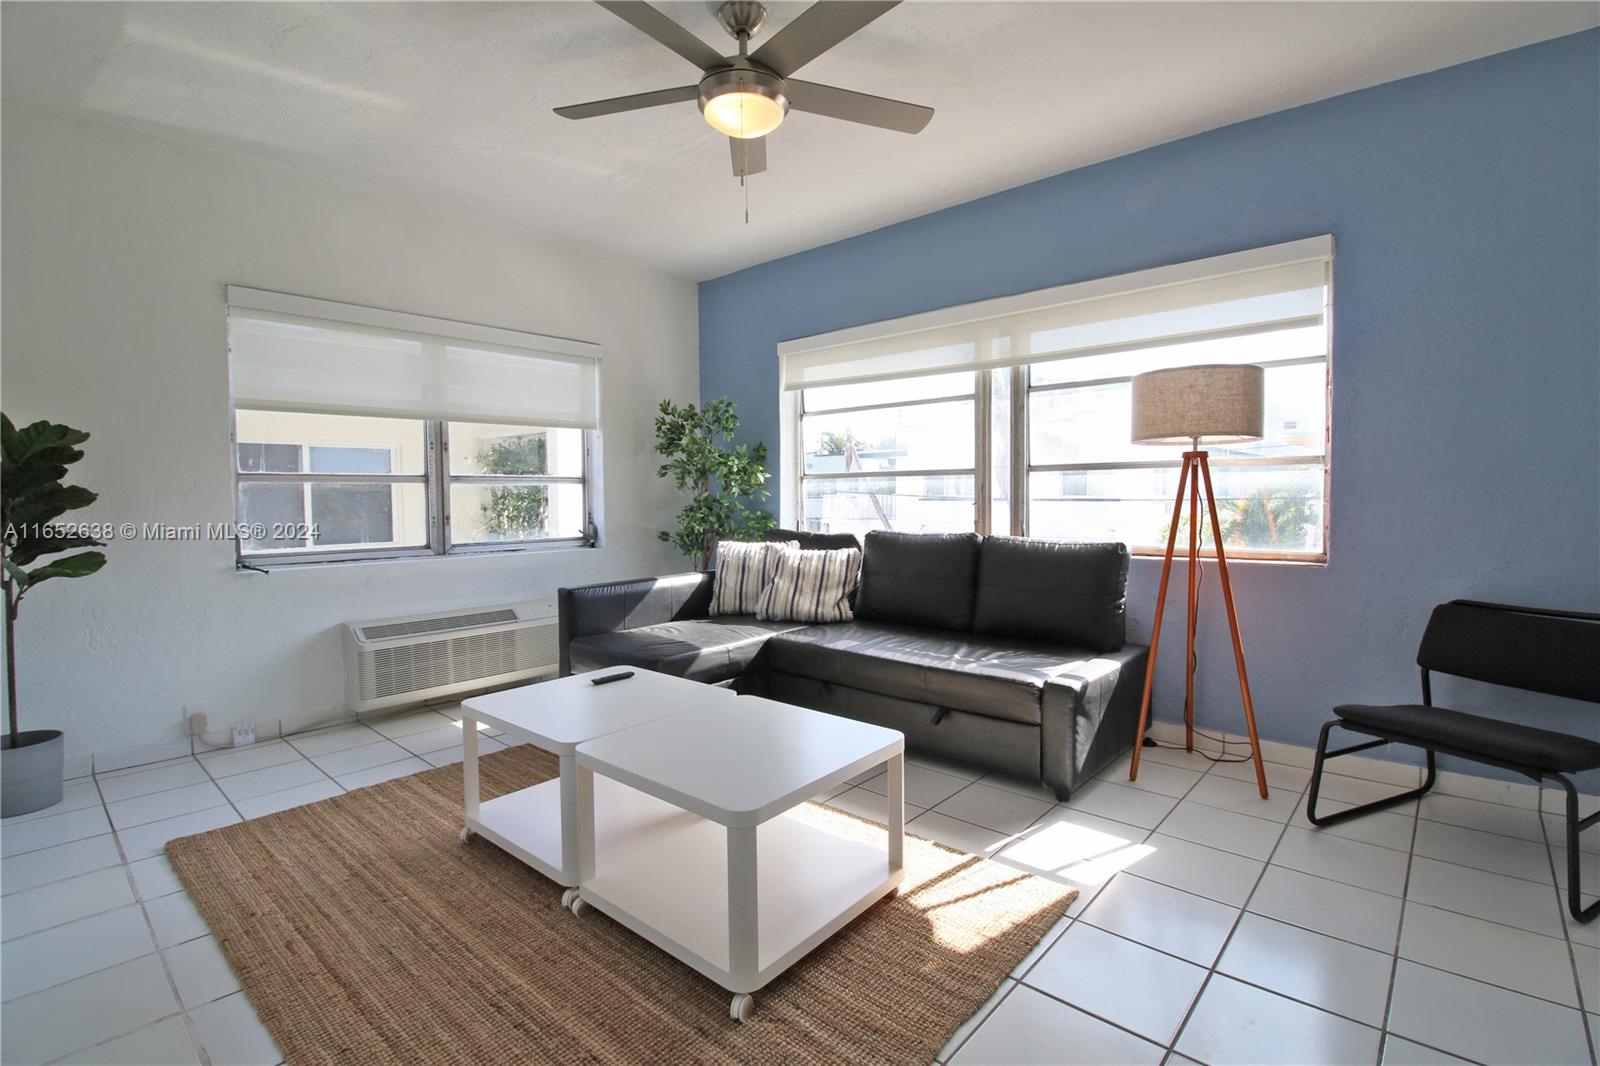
(527, 824)
(674, 891)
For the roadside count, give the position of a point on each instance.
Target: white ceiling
(451, 101)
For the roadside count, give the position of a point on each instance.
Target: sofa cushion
(701, 649)
(814, 541)
(992, 676)
(1071, 593)
(919, 579)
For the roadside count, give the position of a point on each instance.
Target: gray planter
(30, 773)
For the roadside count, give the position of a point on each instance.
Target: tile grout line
(1399, 933)
(1211, 970)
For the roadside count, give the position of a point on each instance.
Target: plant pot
(30, 773)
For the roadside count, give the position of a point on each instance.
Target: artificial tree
(33, 460)
(723, 479)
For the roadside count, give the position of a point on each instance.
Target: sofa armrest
(1090, 716)
(609, 607)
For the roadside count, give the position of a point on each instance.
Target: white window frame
(791, 403)
(435, 478)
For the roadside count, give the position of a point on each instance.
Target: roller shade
(1249, 293)
(284, 361)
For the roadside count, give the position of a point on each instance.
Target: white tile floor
(1211, 927)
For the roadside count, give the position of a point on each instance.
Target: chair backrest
(1553, 652)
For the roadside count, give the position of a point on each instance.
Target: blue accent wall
(1465, 204)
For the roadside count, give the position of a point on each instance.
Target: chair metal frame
(1574, 823)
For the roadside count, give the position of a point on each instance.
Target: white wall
(116, 249)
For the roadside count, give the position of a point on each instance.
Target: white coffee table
(744, 890)
(539, 825)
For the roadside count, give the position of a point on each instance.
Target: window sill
(258, 565)
(1234, 558)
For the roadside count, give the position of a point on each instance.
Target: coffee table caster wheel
(580, 906)
(742, 1007)
(568, 897)
(466, 835)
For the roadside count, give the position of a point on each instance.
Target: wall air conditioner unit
(390, 662)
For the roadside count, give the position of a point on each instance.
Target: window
(1013, 416)
(362, 436)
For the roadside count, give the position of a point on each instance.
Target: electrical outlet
(244, 733)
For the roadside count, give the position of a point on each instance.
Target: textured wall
(1466, 360)
(117, 248)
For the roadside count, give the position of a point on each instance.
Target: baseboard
(1524, 794)
(102, 762)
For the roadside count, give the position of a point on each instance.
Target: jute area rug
(364, 932)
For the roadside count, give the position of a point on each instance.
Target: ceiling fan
(747, 95)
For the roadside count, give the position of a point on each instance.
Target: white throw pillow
(744, 569)
(812, 586)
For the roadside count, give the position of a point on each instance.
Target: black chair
(1552, 652)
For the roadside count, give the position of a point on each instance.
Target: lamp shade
(1211, 404)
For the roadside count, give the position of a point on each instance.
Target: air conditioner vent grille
(461, 660)
(445, 624)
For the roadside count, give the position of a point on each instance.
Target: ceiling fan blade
(749, 155)
(857, 107)
(636, 102)
(653, 23)
(817, 29)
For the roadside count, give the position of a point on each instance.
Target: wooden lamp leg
(1233, 627)
(1155, 626)
(1194, 610)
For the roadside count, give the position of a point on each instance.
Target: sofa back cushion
(814, 541)
(744, 570)
(919, 579)
(1070, 593)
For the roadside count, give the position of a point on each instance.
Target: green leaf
(16, 573)
(81, 565)
(26, 443)
(27, 549)
(47, 503)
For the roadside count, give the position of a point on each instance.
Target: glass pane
(490, 514)
(1263, 347)
(929, 436)
(300, 516)
(353, 514)
(930, 387)
(1000, 452)
(1263, 508)
(269, 458)
(479, 449)
(287, 443)
(326, 459)
(927, 504)
(272, 517)
(1091, 423)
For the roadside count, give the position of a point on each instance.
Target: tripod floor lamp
(1195, 405)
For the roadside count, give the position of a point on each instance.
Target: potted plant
(722, 479)
(33, 460)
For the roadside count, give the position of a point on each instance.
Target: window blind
(1262, 291)
(370, 362)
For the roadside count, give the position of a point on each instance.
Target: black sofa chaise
(998, 651)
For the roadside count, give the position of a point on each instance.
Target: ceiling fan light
(743, 115)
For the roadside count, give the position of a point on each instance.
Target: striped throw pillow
(812, 586)
(744, 569)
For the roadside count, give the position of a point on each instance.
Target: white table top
(740, 761)
(559, 715)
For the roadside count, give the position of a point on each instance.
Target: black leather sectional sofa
(997, 651)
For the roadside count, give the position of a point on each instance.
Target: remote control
(612, 677)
